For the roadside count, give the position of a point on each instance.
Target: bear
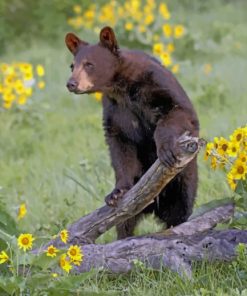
(145, 109)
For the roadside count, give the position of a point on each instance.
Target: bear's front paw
(167, 155)
(112, 198)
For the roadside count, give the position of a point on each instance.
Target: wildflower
(22, 100)
(166, 59)
(98, 96)
(231, 181)
(233, 148)
(178, 31)
(149, 19)
(175, 69)
(222, 147)
(22, 211)
(77, 9)
(41, 84)
(40, 70)
(65, 263)
(51, 251)
(163, 10)
(208, 150)
(142, 29)
(3, 257)
(64, 235)
(167, 30)
(239, 170)
(158, 48)
(237, 135)
(214, 163)
(54, 275)
(207, 69)
(128, 26)
(74, 253)
(25, 241)
(243, 157)
(170, 47)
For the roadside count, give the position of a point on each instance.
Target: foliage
(138, 23)
(17, 81)
(24, 272)
(231, 156)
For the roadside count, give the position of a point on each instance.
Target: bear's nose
(72, 84)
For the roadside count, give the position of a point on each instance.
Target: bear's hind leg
(175, 203)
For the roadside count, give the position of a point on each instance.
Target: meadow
(53, 155)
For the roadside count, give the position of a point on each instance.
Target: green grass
(53, 155)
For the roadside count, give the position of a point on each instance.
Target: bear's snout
(72, 85)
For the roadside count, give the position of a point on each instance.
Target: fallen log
(88, 228)
(169, 249)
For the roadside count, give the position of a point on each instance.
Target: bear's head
(94, 66)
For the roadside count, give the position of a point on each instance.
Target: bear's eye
(72, 67)
(88, 65)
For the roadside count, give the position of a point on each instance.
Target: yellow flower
(22, 100)
(237, 135)
(41, 84)
(158, 48)
(163, 10)
(142, 29)
(170, 47)
(3, 257)
(51, 251)
(54, 274)
(207, 69)
(64, 235)
(40, 70)
(28, 91)
(128, 26)
(243, 157)
(74, 253)
(231, 181)
(214, 163)
(208, 150)
(233, 148)
(22, 211)
(89, 14)
(149, 19)
(7, 104)
(25, 241)
(167, 30)
(166, 59)
(77, 9)
(175, 68)
(222, 146)
(179, 31)
(239, 170)
(65, 263)
(98, 96)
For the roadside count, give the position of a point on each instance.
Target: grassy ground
(53, 155)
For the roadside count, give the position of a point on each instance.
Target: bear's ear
(72, 42)
(108, 39)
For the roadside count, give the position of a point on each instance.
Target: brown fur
(144, 110)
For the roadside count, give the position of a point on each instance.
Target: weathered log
(168, 249)
(90, 227)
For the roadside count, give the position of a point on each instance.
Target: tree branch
(90, 227)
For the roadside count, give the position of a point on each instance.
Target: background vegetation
(53, 155)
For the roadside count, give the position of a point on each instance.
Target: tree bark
(172, 249)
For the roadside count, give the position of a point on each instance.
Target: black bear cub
(144, 110)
